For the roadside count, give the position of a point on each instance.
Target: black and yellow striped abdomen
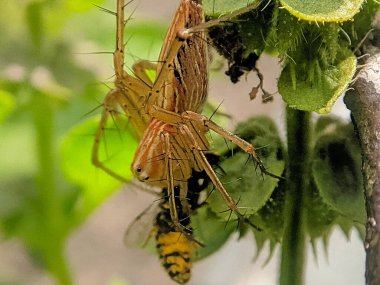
(175, 251)
(175, 248)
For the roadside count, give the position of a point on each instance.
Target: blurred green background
(55, 69)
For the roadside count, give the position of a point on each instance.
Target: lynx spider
(165, 113)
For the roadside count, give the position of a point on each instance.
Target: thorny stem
(364, 103)
(293, 245)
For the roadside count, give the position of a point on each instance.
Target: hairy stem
(293, 246)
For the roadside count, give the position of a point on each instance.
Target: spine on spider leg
(118, 57)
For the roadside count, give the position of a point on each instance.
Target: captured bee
(175, 248)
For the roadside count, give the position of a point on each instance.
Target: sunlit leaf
(116, 151)
(323, 10)
(302, 92)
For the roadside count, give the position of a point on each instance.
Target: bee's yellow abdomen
(175, 251)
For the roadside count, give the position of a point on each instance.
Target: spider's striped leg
(194, 142)
(244, 145)
(165, 137)
(131, 107)
(109, 109)
(192, 128)
(140, 68)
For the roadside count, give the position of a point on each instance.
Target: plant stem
(51, 241)
(293, 247)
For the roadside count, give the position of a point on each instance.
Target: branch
(364, 103)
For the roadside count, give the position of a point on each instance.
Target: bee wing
(141, 229)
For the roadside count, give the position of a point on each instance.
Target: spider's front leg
(125, 101)
(109, 109)
(192, 129)
(194, 142)
(176, 179)
(140, 70)
(243, 144)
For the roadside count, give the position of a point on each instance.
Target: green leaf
(211, 231)
(220, 7)
(323, 10)
(7, 104)
(336, 170)
(270, 219)
(315, 86)
(320, 217)
(117, 149)
(242, 179)
(358, 28)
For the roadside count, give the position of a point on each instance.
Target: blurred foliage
(52, 69)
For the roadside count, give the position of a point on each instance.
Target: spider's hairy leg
(118, 55)
(140, 69)
(191, 135)
(109, 109)
(165, 137)
(131, 106)
(190, 118)
(192, 127)
(244, 145)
